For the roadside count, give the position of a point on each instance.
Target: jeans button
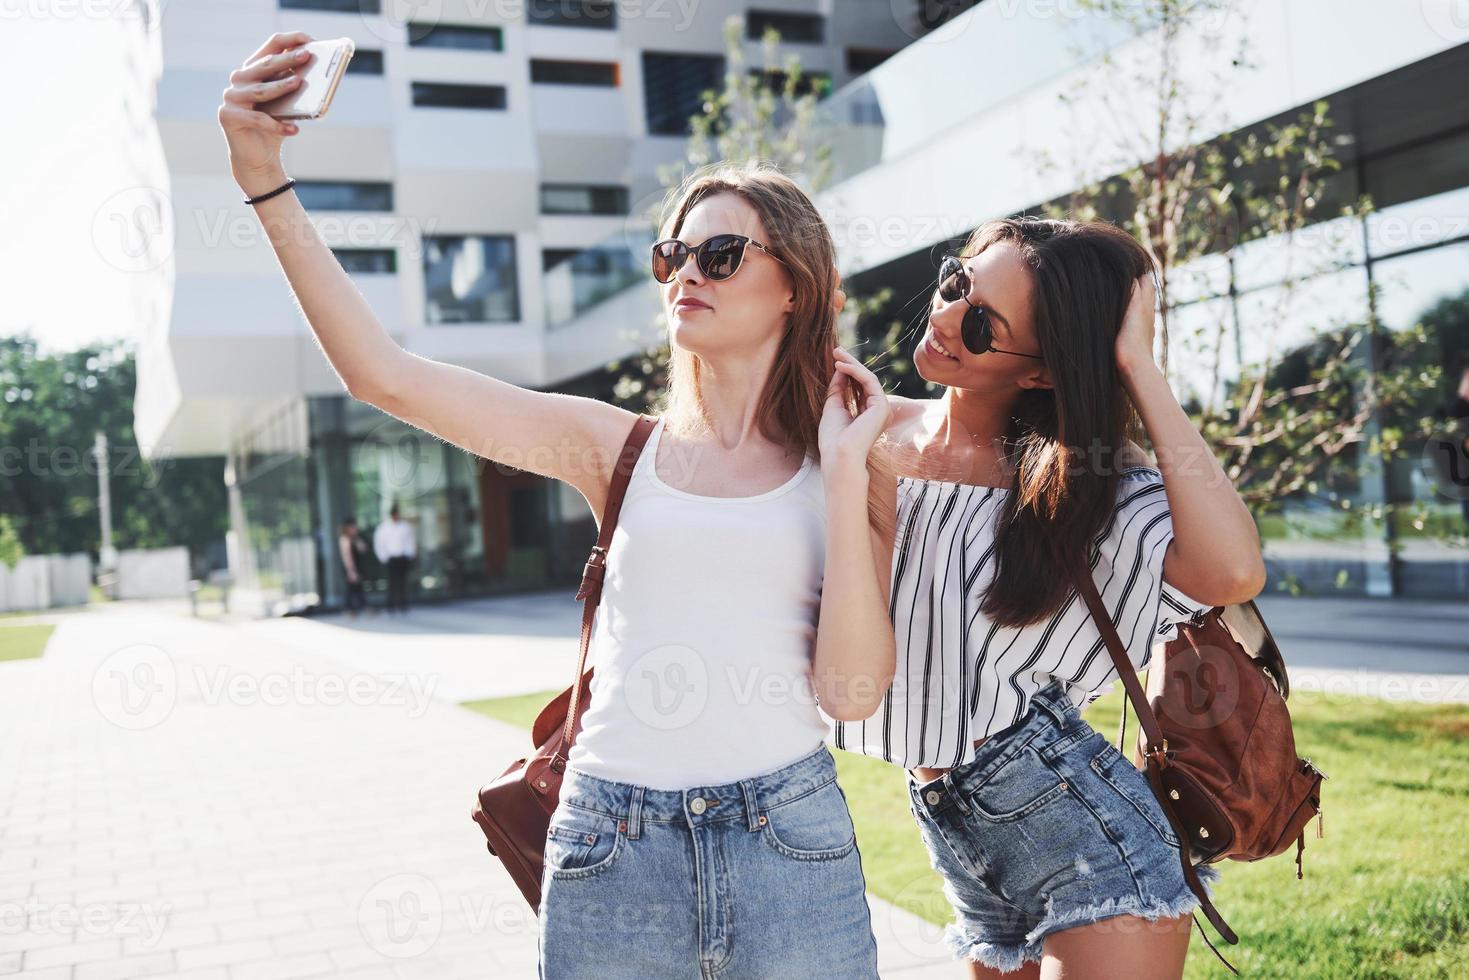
(697, 804)
(932, 796)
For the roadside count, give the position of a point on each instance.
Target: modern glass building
(480, 175)
(477, 179)
(917, 173)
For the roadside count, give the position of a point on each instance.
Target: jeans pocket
(1132, 786)
(1022, 785)
(814, 827)
(581, 843)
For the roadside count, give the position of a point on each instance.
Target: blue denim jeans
(752, 880)
(1047, 828)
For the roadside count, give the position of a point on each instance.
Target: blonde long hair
(789, 409)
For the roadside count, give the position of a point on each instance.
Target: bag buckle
(591, 575)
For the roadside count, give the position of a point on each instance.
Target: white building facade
(476, 175)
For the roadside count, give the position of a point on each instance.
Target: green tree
(54, 405)
(11, 550)
(1313, 420)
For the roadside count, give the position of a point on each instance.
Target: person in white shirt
(396, 548)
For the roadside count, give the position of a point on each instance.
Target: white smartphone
(320, 76)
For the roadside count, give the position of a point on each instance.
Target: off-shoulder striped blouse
(960, 677)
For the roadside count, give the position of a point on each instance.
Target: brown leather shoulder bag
(515, 810)
(1216, 741)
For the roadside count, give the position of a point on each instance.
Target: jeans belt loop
(635, 813)
(752, 805)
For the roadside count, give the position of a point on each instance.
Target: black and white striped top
(960, 677)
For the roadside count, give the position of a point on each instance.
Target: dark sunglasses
(718, 257)
(976, 330)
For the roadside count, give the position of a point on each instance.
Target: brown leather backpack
(515, 810)
(1216, 742)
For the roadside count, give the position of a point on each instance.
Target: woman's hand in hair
(844, 437)
(1135, 337)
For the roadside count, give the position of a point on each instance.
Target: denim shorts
(758, 879)
(1048, 827)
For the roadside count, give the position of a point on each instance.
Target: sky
(61, 162)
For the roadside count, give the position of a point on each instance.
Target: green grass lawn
(1385, 893)
(21, 642)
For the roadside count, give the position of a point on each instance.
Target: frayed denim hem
(1187, 901)
(1006, 959)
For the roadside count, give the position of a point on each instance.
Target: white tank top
(702, 642)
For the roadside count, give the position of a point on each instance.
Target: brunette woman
(1056, 856)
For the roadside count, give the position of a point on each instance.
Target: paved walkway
(289, 798)
(1397, 649)
(279, 799)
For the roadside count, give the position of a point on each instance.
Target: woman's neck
(977, 419)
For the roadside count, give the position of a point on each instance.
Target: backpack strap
(1157, 751)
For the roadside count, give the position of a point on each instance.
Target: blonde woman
(701, 830)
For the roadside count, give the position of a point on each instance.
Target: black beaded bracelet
(290, 182)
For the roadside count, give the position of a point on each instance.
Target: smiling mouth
(938, 348)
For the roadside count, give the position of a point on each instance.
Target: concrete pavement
(264, 800)
(289, 798)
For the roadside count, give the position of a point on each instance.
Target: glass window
(674, 87)
(1418, 224)
(456, 96)
(365, 61)
(1313, 250)
(572, 13)
(805, 28)
(378, 260)
(342, 195)
(551, 257)
(810, 81)
(470, 279)
(548, 72)
(863, 60)
(335, 6)
(583, 199)
(1430, 287)
(462, 36)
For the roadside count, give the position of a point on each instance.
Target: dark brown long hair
(1065, 442)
